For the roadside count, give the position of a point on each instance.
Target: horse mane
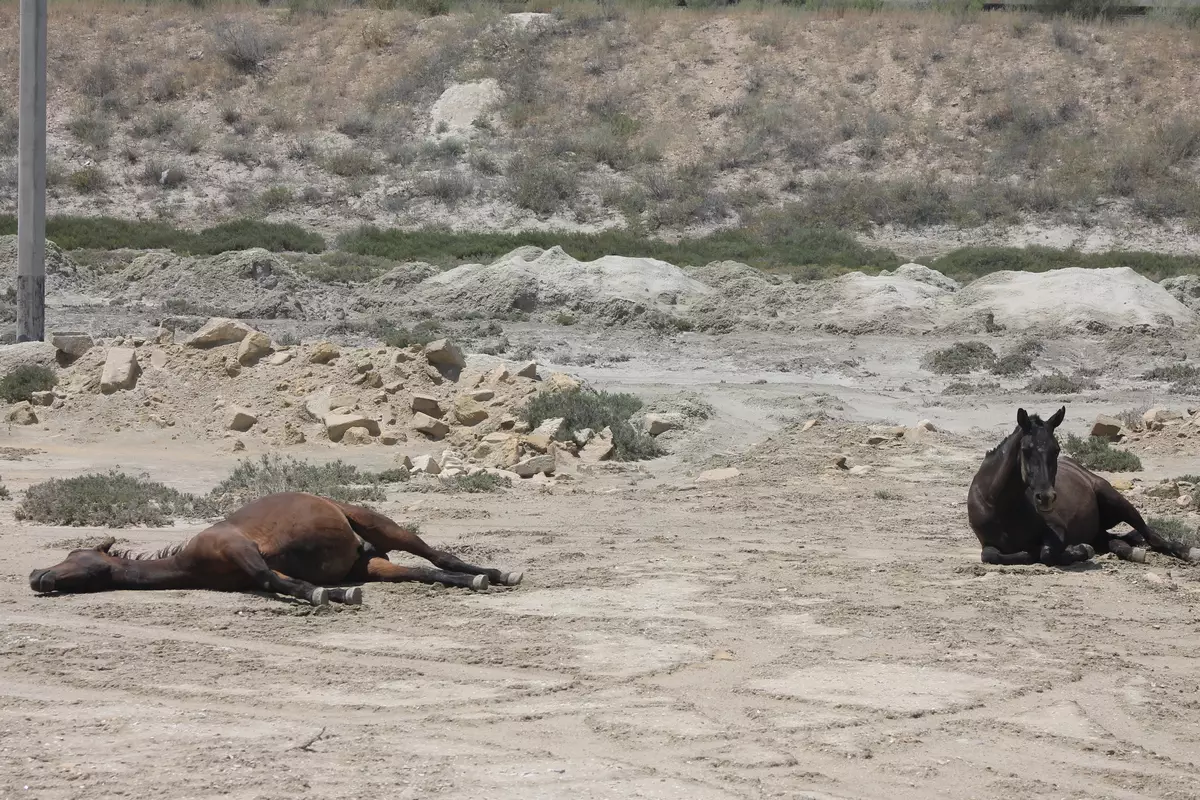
(166, 552)
(1034, 421)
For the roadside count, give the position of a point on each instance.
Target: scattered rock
(356, 436)
(121, 370)
(656, 424)
(1157, 417)
(241, 420)
(468, 412)
(254, 347)
(392, 437)
(538, 441)
(877, 439)
(429, 426)
(599, 448)
(482, 395)
(219, 331)
(718, 474)
(336, 425)
(534, 465)
(427, 464)
(926, 425)
(292, 434)
(279, 359)
(498, 449)
(1107, 428)
(584, 436)
(41, 398)
(72, 343)
(552, 428)
(424, 404)
(323, 353)
(22, 414)
(497, 375)
(861, 469)
(529, 370)
(445, 353)
(363, 366)
(1121, 484)
(233, 367)
(1184, 500)
(559, 382)
(808, 425)
(158, 359)
(318, 404)
(1168, 490)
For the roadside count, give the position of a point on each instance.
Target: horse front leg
(1056, 553)
(246, 556)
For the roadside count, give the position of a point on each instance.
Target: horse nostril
(41, 582)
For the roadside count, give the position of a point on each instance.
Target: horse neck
(1006, 475)
(159, 573)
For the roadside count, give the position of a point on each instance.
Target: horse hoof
(1091, 552)
(1138, 555)
(320, 596)
(479, 582)
(1194, 554)
(512, 578)
(354, 596)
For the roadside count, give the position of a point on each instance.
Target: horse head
(86, 570)
(1039, 457)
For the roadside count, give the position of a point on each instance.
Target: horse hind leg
(382, 570)
(1115, 509)
(245, 554)
(1126, 551)
(385, 535)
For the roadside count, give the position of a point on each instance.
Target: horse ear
(1057, 419)
(106, 544)
(1023, 419)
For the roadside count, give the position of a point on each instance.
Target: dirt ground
(797, 631)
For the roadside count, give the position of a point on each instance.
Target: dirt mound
(1076, 299)
(1185, 289)
(64, 278)
(742, 298)
(248, 284)
(533, 280)
(906, 301)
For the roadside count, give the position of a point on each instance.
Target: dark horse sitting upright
(1028, 505)
(291, 543)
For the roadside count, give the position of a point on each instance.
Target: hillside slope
(670, 120)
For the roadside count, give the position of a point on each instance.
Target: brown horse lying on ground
(292, 543)
(1024, 508)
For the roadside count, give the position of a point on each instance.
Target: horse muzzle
(40, 580)
(1044, 501)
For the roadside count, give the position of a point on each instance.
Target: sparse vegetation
(108, 233)
(1060, 384)
(1175, 528)
(253, 479)
(1096, 453)
(582, 408)
(1184, 378)
(23, 380)
(960, 358)
(111, 499)
(89, 180)
(243, 45)
(4, 493)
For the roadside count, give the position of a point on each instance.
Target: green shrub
(1176, 529)
(960, 358)
(4, 493)
(113, 500)
(582, 408)
(1057, 383)
(1095, 452)
(22, 381)
(974, 262)
(109, 233)
(479, 483)
(270, 474)
(89, 180)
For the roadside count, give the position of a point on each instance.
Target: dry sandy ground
(795, 632)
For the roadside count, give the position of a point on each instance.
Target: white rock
(72, 343)
(424, 404)
(429, 426)
(551, 428)
(599, 448)
(444, 352)
(534, 465)
(253, 347)
(279, 359)
(655, 424)
(121, 370)
(528, 370)
(427, 464)
(219, 331)
(582, 437)
(336, 425)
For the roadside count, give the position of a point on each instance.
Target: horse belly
(317, 559)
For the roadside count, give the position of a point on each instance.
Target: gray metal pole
(31, 180)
